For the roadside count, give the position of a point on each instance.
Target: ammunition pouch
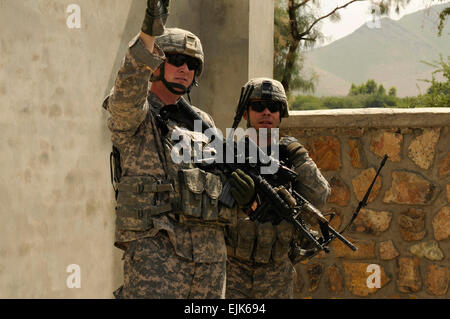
(260, 242)
(285, 233)
(245, 239)
(265, 237)
(200, 193)
(139, 199)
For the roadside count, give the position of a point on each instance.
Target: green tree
(392, 92)
(354, 90)
(370, 87)
(299, 80)
(381, 90)
(372, 95)
(287, 52)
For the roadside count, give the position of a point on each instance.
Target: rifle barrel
(342, 238)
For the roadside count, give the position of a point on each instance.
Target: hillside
(391, 55)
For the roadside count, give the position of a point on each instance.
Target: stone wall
(405, 228)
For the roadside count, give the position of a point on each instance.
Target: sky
(357, 14)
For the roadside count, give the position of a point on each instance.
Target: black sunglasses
(259, 106)
(179, 59)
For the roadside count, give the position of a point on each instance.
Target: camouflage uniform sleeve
(310, 181)
(127, 102)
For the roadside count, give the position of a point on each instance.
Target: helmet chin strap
(175, 88)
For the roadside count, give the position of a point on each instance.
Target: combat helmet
(269, 89)
(175, 40)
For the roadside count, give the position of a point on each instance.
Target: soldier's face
(181, 74)
(262, 118)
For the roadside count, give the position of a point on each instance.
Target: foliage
(374, 94)
(308, 102)
(371, 94)
(442, 16)
(282, 44)
(438, 94)
(392, 91)
(371, 87)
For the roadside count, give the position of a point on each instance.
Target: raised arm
(127, 101)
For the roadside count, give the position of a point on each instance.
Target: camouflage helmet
(269, 89)
(175, 40)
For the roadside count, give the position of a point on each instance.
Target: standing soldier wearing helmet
(258, 264)
(168, 219)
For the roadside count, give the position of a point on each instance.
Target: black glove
(242, 188)
(155, 17)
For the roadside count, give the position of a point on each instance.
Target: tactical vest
(189, 193)
(261, 242)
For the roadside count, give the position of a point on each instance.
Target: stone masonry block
(326, 153)
(421, 151)
(410, 189)
(412, 224)
(387, 143)
(441, 224)
(408, 277)
(372, 222)
(437, 280)
(357, 275)
(340, 193)
(356, 153)
(388, 250)
(362, 182)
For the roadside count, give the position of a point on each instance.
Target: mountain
(390, 55)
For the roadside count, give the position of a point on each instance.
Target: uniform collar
(155, 102)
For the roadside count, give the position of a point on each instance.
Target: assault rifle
(290, 205)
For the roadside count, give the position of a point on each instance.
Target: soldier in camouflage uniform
(258, 265)
(168, 219)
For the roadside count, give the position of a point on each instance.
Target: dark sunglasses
(179, 59)
(259, 106)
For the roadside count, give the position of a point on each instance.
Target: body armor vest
(189, 193)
